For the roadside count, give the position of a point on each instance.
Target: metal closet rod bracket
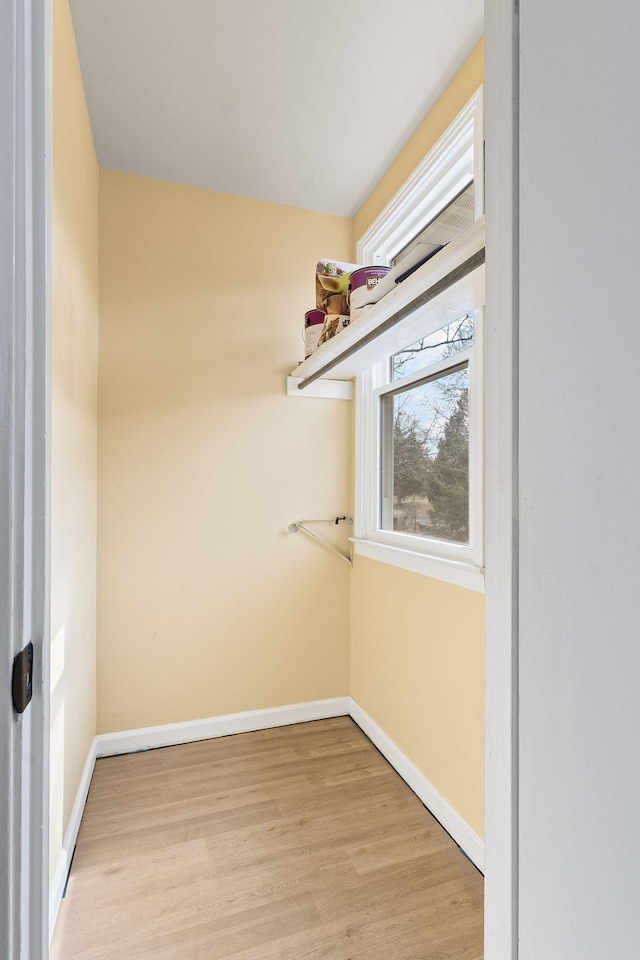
(300, 525)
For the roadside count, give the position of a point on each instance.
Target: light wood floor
(299, 843)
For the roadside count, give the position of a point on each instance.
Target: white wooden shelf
(442, 290)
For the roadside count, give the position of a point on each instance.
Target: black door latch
(22, 679)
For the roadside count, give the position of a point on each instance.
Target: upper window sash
(455, 160)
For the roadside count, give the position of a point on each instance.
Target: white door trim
(25, 58)
(501, 498)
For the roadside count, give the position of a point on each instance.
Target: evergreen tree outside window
(425, 451)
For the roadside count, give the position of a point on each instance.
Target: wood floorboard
(298, 843)
(104, 820)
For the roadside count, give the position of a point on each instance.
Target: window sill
(450, 571)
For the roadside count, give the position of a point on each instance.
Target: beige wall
(206, 606)
(417, 667)
(73, 430)
(417, 645)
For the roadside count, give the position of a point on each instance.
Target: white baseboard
(59, 881)
(170, 734)
(459, 829)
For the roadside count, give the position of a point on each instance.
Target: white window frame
(455, 161)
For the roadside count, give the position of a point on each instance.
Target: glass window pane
(443, 343)
(425, 459)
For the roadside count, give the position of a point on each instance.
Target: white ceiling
(300, 102)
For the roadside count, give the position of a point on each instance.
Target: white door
(24, 158)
